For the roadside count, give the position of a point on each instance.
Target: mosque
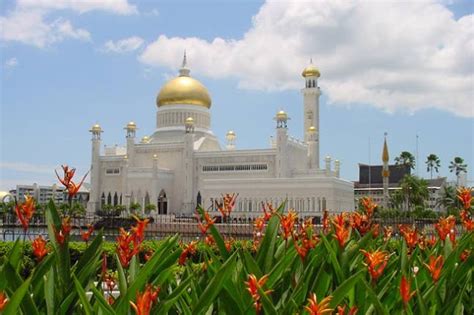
(182, 164)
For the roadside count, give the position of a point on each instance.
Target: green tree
(134, 207)
(150, 207)
(433, 163)
(448, 200)
(457, 166)
(406, 159)
(414, 192)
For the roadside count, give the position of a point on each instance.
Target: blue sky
(402, 68)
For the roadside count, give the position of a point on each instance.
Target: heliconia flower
(375, 230)
(467, 222)
(325, 221)
(369, 205)
(465, 255)
(342, 310)
(445, 226)
(39, 247)
(85, 235)
(73, 188)
(208, 222)
(360, 222)
(387, 233)
(341, 229)
(287, 223)
(227, 205)
(259, 224)
(253, 285)
(145, 300)
(3, 301)
(64, 231)
(465, 196)
(127, 247)
(376, 262)
(228, 244)
(314, 308)
(268, 211)
(110, 282)
(68, 175)
(410, 235)
(435, 266)
(25, 210)
(209, 240)
(405, 291)
(139, 229)
(189, 249)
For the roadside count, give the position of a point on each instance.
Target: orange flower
(126, 247)
(205, 226)
(314, 308)
(73, 188)
(64, 231)
(410, 235)
(375, 230)
(3, 301)
(253, 286)
(369, 205)
(376, 262)
(25, 210)
(341, 229)
(189, 249)
(342, 310)
(268, 211)
(465, 196)
(405, 291)
(145, 300)
(228, 244)
(465, 255)
(387, 233)
(139, 229)
(325, 222)
(259, 224)
(87, 234)
(435, 266)
(68, 175)
(39, 247)
(287, 223)
(227, 205)
(467, 222)
(360, 222)
(445, 226)
(209, 240)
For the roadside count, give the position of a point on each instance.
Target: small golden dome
(310, 71)
(145, 139)
(131, 125)
(96, 128)
(231, 133)
(184, 90)
(189, 120)
(282, 115)
(312, 129)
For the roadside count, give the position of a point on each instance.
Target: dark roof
(373, 173)
(436, 182)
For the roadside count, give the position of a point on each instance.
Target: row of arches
(310, 83)
(116, 198)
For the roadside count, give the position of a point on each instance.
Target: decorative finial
(385, 156)
(184, 60)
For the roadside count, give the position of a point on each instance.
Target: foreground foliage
(346, 266)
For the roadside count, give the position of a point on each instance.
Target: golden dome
(312, 129)
(184, 90)
(145, 139)
(310, 71)
(131, 125)
(189, 120)
(231, 133)
(96, 128)
(282, 115)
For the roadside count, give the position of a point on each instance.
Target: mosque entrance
(162, 203)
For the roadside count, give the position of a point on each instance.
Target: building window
(112, 171)
(235, 168)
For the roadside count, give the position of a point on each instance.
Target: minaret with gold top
(385, 172)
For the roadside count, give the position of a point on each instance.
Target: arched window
(162, 203)
(115, 199)
(198, 199)
(147, 199)
(324, 203)
(109, 199)
(102, 199)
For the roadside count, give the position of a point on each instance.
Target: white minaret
(230, 137)
(94, 200)
(131, 129)
(311, 94)
(313, 148)
(385, 172)
(188, 206)
(282, 144)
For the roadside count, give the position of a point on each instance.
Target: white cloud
(11, 63)
(393, 55)
(114, 6)
(124, 45)
(30, 27)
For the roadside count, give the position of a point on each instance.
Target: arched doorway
(162, 203)
(198, 199)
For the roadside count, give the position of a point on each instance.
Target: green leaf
(344, 288)
(82, 296)
(380, 309)
(266, 251)
(15, 254)
(49, 292)
(216, 235)
(16, 299)
(103, 304)
(122, 279)
(215, 285)
(250, 263)
(333, 259)
(177, 292)
(14, 283)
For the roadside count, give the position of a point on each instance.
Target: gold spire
(385, 157)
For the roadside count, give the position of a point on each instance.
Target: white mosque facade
(181, 164)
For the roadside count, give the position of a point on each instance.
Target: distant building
(43, 194)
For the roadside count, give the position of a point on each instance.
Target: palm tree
(457, 166)
(432, 163)
(414, 192)
(405, 159)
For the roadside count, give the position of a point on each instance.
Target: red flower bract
(341, 229)
(376, 262)
(315, 308)
(405, 290)
(87, 234)
(445, 226)
(253, 286)
(465, 196)
(25, 210)
(287, 223)
(145, 300)
(189, 249)
(435, 266)
(3, 300)
(39, 247)
(410, 235)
